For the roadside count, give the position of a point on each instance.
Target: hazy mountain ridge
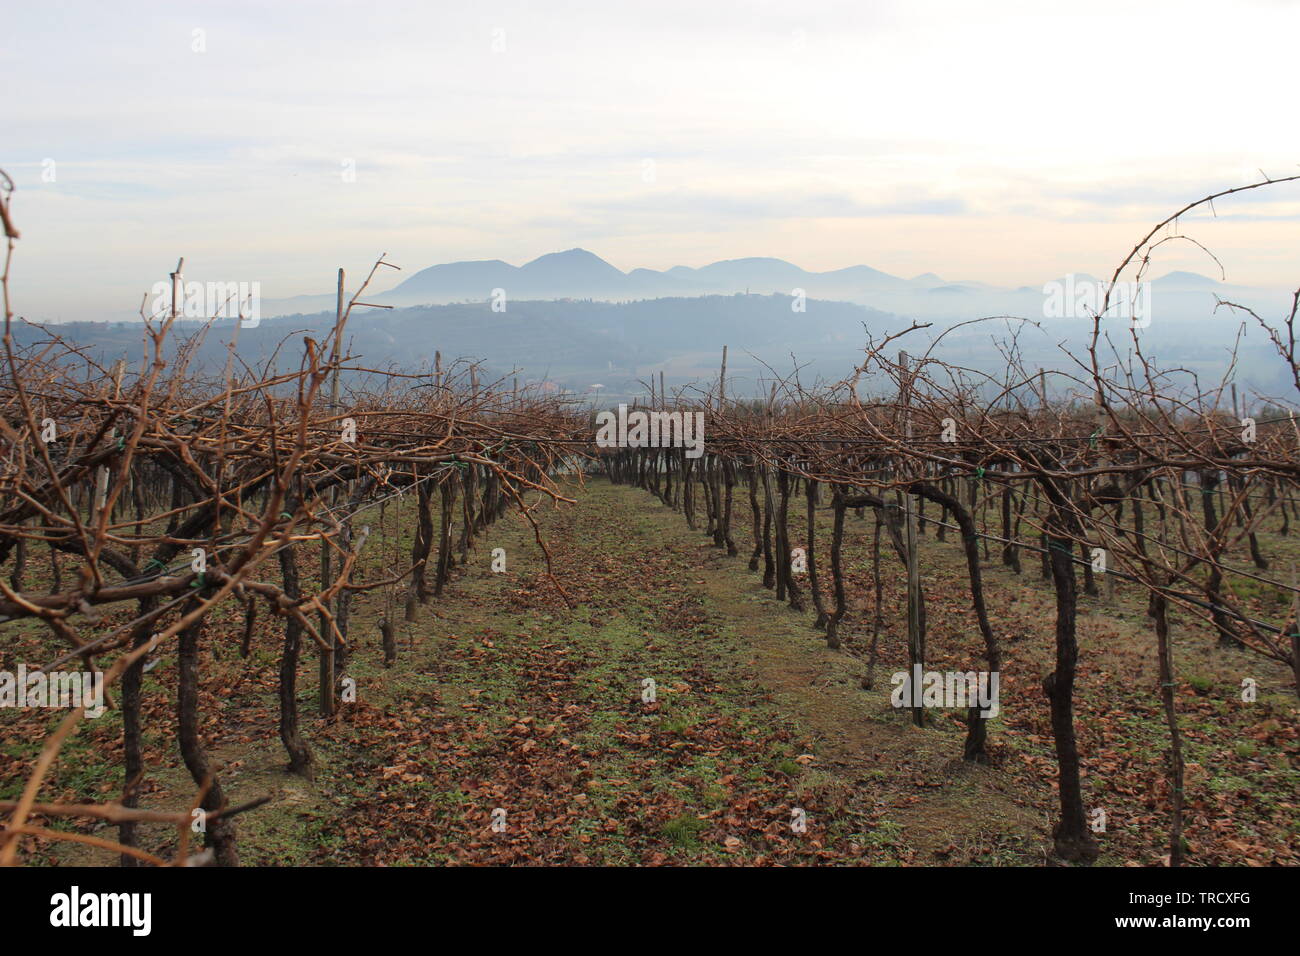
(575, 321)
(570, 344)
(580, 274)
(577, 344)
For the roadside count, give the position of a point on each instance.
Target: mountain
(575, 273)
(866, 277)
(605, 319)
(1186, 280)
(752, 274)
(571, 342)
(455, 280)
(581, 274)
(564, 273)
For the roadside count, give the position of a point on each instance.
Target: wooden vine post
(326, 676)
(915, 637)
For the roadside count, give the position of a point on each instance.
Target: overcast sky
(1005, 142)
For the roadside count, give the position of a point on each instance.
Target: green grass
(684, 830)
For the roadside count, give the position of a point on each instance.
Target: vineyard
(366, 615)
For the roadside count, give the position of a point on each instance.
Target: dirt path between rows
(943, 807)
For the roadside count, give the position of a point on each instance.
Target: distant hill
(570, 344)
(1185, 280)
(573, 319)
(580, 274)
